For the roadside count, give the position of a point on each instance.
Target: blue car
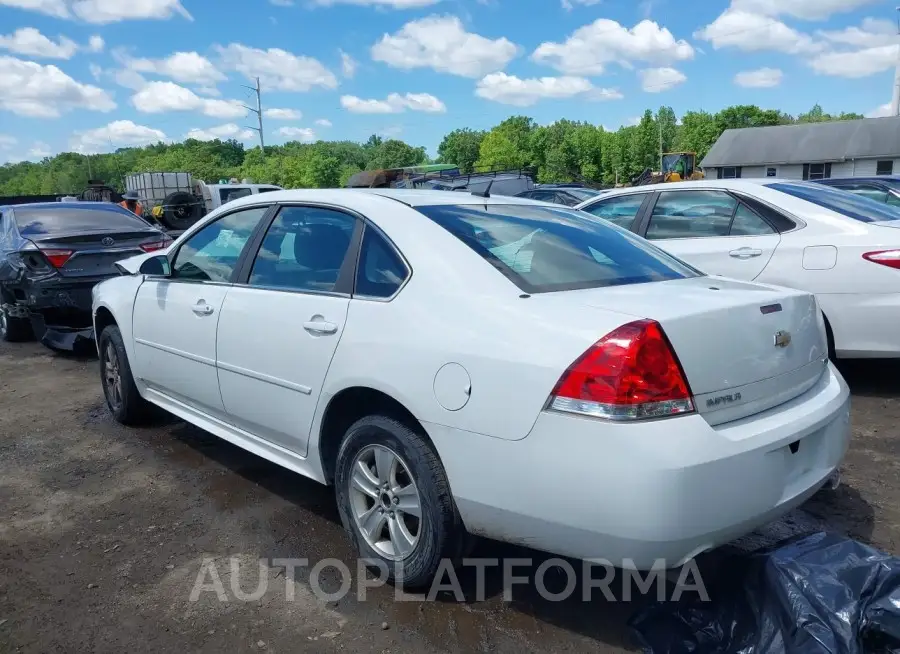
(883, 188)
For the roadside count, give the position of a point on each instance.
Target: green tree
(461, 147)
(699, 131)
(508, 144)
(396, 154)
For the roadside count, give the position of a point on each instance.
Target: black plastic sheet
(815, 594)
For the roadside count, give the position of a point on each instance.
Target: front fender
(117, 295)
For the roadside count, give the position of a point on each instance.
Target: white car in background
(460, 365)
(843, 248)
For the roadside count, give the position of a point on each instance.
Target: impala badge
(108, 241)
(782, 339)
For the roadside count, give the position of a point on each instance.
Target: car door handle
(202, 308)
(745, 253)
(320, 327)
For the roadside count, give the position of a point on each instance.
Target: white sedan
(458, 365)
(844, 248)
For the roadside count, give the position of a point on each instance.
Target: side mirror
(158, 265)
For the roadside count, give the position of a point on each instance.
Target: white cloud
(657, 80)
(160, 97)
(442, 44)
(872, 32)
(185, 67)
(391, 4)
(119, 133)
(276, 68)
(590, 48)
(859, 63)
(569, 5)
(753, 32)
(96, 43)
(394, 104)
(303, 134)
(55, 8)
(7, 141)
(39, 150)
(211, 91)
(30, 89)
(224, 132)
(29, 41)
(283, 114)
(762, 78)
(880, 111)
(113, 11)
(803, 9)
(509, 89)
(348, 65)
(323, 122)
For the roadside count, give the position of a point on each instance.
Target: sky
(91, 76)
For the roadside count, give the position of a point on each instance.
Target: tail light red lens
(57, 258)
(889, 258)
(157, 245)
(632, 373)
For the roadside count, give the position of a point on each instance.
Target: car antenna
(486, 193)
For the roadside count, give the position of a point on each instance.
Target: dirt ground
(104, 531)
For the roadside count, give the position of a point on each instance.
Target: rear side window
(381, 271)
(36, 222)
(843, 202)
(542, 249)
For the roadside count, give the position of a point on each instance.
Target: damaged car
(51, 256)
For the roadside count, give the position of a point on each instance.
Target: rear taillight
(57, 258)
(630, 374)
(157, 245)
(889, 258)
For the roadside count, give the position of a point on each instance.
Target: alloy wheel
(385, 502)
(111, 375)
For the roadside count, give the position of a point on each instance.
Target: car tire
(121, 393)
(14, 330)
(438, 531)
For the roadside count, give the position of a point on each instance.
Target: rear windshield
(851, 205)
(543, 249)
(65, 220)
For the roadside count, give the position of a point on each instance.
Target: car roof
(701, 184)
(409, 197)
(100, 206)
(872, 178)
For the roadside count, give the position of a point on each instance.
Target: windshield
(851, 205)
(543, 249)
(35, 221)
(583, 193)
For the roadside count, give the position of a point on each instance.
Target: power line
(259, 115)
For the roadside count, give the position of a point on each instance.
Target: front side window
(849, 204)
(304, 249)
(543, 249)
(381, 271)
(212, 254)
(691, 214)
(621, 210)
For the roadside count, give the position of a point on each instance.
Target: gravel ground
(104, 531)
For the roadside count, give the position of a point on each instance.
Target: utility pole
(659, 120)
(895, 99)
(90, 174)
(258, 112)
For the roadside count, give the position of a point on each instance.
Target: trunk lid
(94, 254)
(744, 347)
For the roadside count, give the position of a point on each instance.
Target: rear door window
(849, 204)
(691, 214)
(543, 249)
(621, 210)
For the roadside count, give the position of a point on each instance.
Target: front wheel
(122, 396)
(395, 503)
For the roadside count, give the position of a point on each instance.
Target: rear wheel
(122, 396)
(14, 330)
(395, 501)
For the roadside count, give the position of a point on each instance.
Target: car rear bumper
(644, 494)
(863, 324)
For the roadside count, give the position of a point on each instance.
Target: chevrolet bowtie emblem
(782, 339)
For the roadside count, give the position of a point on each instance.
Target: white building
(846, 148)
